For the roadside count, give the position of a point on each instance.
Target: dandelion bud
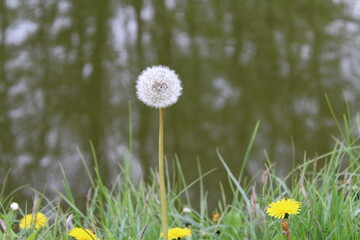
(158, 87)
(14, 206)
(215, 217)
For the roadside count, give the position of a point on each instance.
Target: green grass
(330, 197)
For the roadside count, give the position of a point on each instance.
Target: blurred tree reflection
(6, 136)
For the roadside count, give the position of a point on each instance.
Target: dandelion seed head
(158, 86)
(14, 206)
(186, 210)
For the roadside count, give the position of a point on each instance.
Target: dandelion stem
(285, 229)
(162, 175)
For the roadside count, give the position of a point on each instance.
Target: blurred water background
(68, 71)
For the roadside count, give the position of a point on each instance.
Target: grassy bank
(330, 198)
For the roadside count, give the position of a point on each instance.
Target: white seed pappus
(158, 87)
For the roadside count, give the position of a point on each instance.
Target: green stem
(162, 175)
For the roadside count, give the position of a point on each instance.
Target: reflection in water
(68, 69)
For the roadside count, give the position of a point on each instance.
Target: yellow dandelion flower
(82, 234)
(38, 220)
(177, 233)
(284, 207)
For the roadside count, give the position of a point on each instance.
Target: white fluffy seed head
(14, 206)
(186, 210)
(158, 87)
